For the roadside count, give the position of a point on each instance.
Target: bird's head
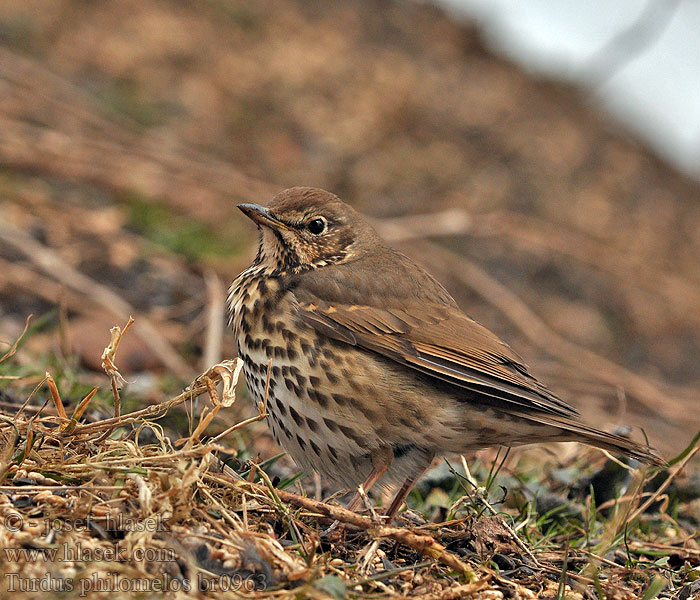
(306, 228)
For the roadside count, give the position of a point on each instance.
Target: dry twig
(422, 543)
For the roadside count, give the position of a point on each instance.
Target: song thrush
(374, 369)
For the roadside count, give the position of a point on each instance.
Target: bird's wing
(435, 338)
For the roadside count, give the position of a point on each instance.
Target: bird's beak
(262, 216)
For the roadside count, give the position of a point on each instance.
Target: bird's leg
(403, 492)
(381, 461)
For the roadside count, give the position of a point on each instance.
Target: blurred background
(507, 146)
(639, 59)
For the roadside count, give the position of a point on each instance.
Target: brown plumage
(374, 368)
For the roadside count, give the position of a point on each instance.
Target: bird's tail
(576, 431)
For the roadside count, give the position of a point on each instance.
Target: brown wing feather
(427, 332)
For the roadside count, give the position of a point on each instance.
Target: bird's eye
(316, 226)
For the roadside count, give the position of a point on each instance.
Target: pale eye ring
(317, 225)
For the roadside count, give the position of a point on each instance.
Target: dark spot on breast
(331, 377)
(296, 416)
(289, 336)
(267, 325)
(280, 406)
(321, 399)
(269, 351)
(313, 426)
(315, 381)
(280, 352)
(284, 428)
(286, 370)
(341, 400)
(291, 353)
(301, 380)
(352, 434)
(276, 371)
(301, 442)
(333, 452)
(329, 354)
(289, 383)
(332, 425)
(403, 449)
(371, 415)
(315, 448)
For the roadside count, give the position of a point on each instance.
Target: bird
(367, 366)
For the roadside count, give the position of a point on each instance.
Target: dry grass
(89, 507)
